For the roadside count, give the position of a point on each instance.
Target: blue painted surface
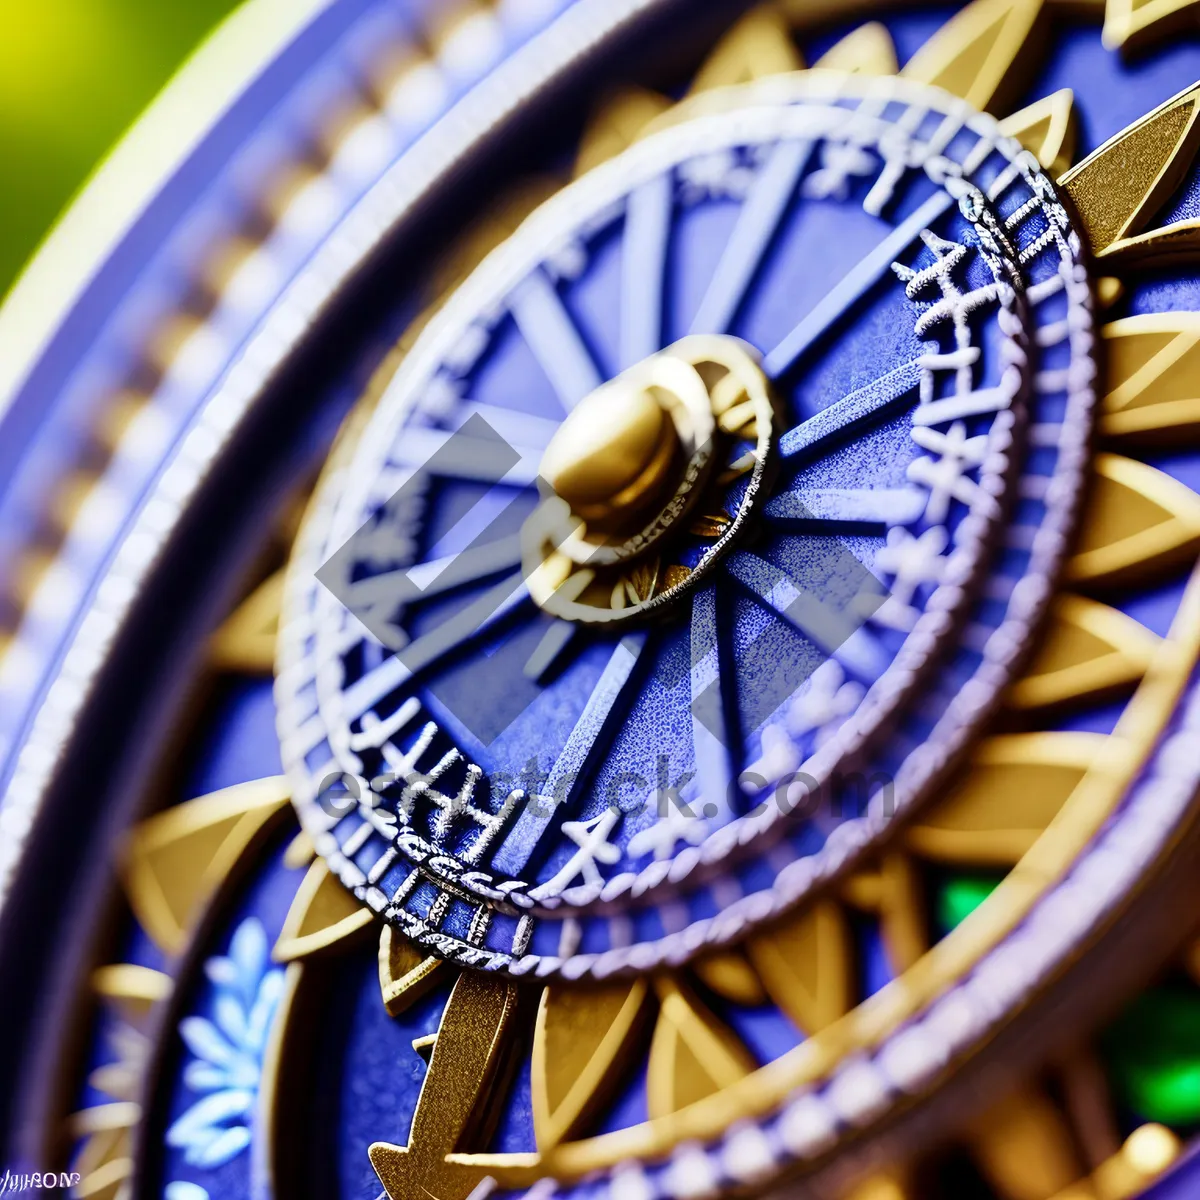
(377, 1074)
(222, 1167)
(241, 743)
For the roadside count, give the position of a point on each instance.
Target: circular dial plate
(813, 978)
(497, 771)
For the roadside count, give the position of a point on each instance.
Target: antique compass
(631, 631)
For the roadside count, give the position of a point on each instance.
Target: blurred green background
(74, 74)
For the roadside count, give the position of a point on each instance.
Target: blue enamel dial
(729, 723)
(526, 782)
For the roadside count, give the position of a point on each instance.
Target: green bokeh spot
(1153, 1053)
(959, 896)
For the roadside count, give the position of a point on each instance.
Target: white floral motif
(594, 847)
(825, 704)
(911, 561)
(953, 304)
(778, 757)
(715, 175)
(820, 709)
(947, 476)
(182, 1189)
(663, 834)
(840, 162)
(228, 1050)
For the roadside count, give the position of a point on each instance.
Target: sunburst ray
(1088, 651)
(760, 44)
(867, 50)
(1047, 127)
(175, 860)
(1153, 377)
(323, 915)
(693, 1053)
(1119, 189)
(581, 1046)
(981, 53)
(1014, 787)
(1138, 520)
(806, 964)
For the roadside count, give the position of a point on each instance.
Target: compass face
(632, 629)
(641, 748)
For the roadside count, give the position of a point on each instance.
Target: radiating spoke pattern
(853, 286)
(886, 447)
(800, 507)
(554, 339)
(818, 509)
(593, 731)
(851, 412)
(460, 455)
(712, 695)
(756, 226)
(435, 576)
(643, 269)
(474, 621)
(836, 632)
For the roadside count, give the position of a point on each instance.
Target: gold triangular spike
(1109, 289)
(107, 1182)
(104, 1161)
(405, 974)
(896, 1184)
(299, 852)
(902, 916)
(1006, 796)
(1137, 519)
(1153, 376)
(806, 963)
(976, 53)
(133, 989)
(867, 50)
(692, 1054)
(245, 643)
(1129, 24)
(175, 860)
(581, 1044)
(759, 44)
(1119, 188)
(618, 122)
(729, 975)
(1023, 1146)
(1047, 128)
(1088, 650)
(895, 894)
(98, 1151)
(323, 914)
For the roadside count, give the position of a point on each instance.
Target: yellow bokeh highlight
(74, 74)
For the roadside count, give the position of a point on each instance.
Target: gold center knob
(637, 481)
(612, 458)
